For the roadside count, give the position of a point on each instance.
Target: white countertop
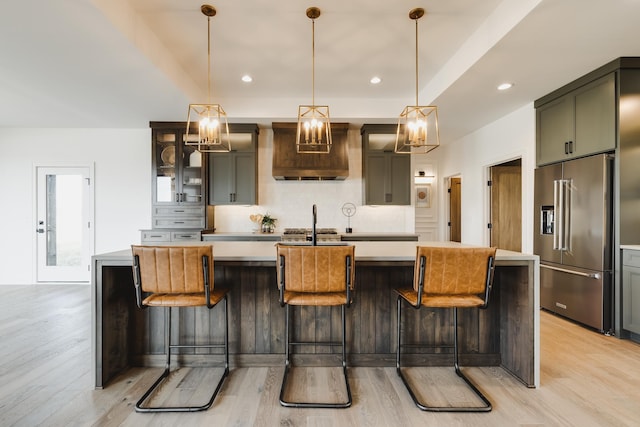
(242, 234)
(365, 251)
(630, 247)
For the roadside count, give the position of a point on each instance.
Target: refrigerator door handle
(567, 185)
(560, 199)
(577, 273)
(558, 230)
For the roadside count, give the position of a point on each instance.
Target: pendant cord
(313, 62)
(416, 62)
(208, 60)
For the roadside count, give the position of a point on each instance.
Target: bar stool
(447, 277)
(315, 276)
(178, 276)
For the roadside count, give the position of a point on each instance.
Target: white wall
(121, 158)
(511, 137)
(122, 188)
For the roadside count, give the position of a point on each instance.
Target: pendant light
(314, 126)
(418, 125)
(207, 126)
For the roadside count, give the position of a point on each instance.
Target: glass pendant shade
(314, 129)
(207, 128)
(417, 130)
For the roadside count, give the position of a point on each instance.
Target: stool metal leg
(423, 406)
(165, 373)
(287, 366)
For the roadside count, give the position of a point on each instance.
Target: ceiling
(123, 63)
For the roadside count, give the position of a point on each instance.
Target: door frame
(34, 221)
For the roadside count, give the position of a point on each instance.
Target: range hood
(288, 164)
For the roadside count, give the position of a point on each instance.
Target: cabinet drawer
(178, 222)
(178, 211)
(177, 236)
(155, 236)
(631, 258)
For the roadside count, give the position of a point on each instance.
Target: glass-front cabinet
(178, 168)
(178, 181)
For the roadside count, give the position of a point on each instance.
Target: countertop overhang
(365, 251)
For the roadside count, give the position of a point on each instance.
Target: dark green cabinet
(387, 175)
(233, 176)
(579, 123)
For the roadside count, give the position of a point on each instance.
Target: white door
(64, 224)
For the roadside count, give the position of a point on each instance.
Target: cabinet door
(400, 179)
(631, 291)
(177, 175)
(595, 117)
(164, 164)
(244, 179)
(631, 299)
(190, 176)
(220, 186)
(232, 179)
(377, 192)
(233, 176)
(555, 130)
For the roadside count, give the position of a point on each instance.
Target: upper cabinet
(578, 123)
(233, 176)
(387, 175)
(178, 173)
(177, 178)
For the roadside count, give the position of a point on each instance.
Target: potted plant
(268, 223)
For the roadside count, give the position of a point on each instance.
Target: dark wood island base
(505, 334)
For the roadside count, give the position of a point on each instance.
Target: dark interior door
(455, 213)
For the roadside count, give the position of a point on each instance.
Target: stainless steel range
(305, 235)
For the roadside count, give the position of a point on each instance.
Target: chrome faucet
(313, 228)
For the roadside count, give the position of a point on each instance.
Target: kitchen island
(506, 334)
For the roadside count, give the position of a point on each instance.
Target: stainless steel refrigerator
(573, 237)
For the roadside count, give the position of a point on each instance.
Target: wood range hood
(288, 164)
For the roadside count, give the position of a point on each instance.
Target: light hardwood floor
(45, 379)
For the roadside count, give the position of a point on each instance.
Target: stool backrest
(454, 271)
(173, 269)
(316, 268)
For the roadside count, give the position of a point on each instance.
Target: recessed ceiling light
(505, 86)
(375, 80)
(247, 78)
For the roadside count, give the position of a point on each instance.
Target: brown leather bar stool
(447, 277)
(178, 276)
(315, 276)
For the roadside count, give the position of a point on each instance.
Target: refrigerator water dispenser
(546, 220)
